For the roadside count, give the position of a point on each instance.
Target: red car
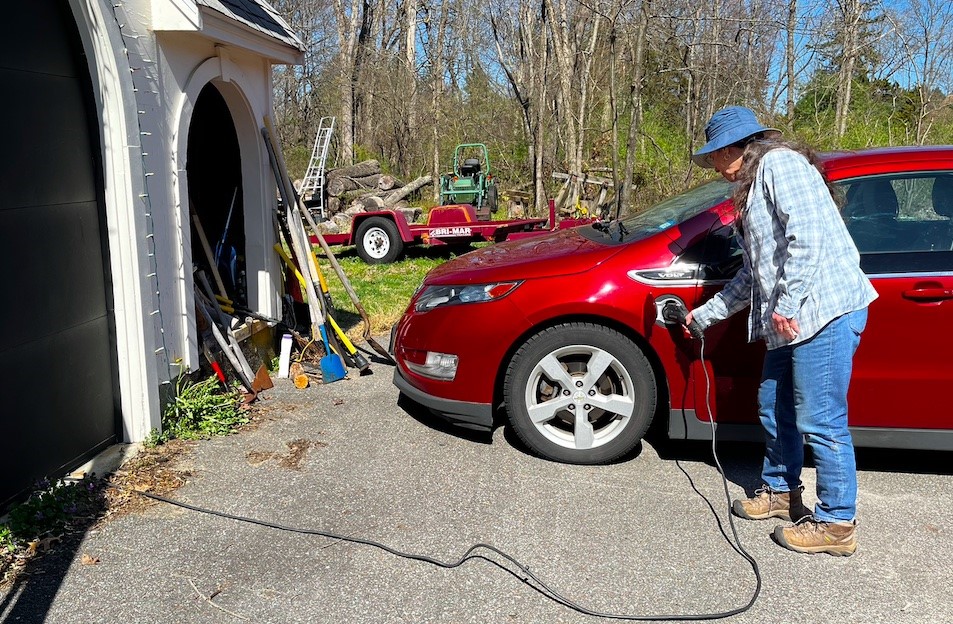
(564, 332)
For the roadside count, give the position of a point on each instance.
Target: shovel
(332, 367)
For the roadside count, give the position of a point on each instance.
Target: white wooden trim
(262, 269)
(223, 29)
(128, 255)
(182, 15)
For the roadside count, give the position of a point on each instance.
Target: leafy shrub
(199, 410)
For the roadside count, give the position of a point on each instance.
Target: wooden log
(412, 215)
(359, 170)
(368, 203)
(388, 183)
(406, 190)
(342, 184)
(337, 186)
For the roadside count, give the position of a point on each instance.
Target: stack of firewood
(363, 187)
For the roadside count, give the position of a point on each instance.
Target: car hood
(563, 252)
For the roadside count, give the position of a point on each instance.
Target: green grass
(384, 290)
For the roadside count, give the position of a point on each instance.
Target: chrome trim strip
(921, 275)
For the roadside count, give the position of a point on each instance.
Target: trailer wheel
(378, 241)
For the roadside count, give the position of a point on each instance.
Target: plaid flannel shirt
(799, 259)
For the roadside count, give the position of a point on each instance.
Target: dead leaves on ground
(152, 470)
(297, 450)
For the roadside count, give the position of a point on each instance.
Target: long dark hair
(754, 150)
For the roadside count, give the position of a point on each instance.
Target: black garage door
(57, 356)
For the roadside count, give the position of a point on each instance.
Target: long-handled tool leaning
(203, 306)
(209, 256)
(289, 195)
(208, 305)
(348, 351)
(332, 368)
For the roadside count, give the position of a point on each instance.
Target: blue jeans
(803, 399)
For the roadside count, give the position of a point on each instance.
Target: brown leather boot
(810, 536)
(766, 503)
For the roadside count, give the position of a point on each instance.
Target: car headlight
(436, 296)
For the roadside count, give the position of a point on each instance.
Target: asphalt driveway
(645, 536)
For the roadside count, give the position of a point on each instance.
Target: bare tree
(637, 49)
(925, 32)
(348, 25)
(435, 23)
(850, 15)
(521, 43)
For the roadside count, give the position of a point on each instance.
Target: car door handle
(928, 294)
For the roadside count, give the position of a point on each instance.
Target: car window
(717, 255)
(900, 214)
(901, 223)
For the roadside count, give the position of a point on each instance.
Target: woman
(808, 301)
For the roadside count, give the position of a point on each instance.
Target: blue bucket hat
(726, 127)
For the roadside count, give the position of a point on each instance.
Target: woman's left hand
(786, 327)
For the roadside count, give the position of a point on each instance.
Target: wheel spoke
(613, 403)
(597, 366)
(546, 411)
(583, 434)
(555, 371)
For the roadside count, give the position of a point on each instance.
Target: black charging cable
(523, 572)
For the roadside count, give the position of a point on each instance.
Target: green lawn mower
(470, 182)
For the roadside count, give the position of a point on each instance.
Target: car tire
(378, 241)
(548, 381)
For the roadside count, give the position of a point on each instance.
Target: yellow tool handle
(345, 341)
(291, 265)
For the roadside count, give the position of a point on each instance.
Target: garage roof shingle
(256, 14)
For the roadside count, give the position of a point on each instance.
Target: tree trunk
(635, 105)
(387, 182)
(368, 203)
(789, 51)
(565, 51)
(851, 12)
(410, 64)
(342, 184)
(436, 98)
(347, 59)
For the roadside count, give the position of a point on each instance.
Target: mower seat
(470, 167)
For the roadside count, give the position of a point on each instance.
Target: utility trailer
(381, 236)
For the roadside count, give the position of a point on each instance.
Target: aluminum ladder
(312, 187)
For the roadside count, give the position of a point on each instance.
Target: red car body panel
(903, 370)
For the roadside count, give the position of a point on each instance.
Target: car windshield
(676, 209)
(661, 216)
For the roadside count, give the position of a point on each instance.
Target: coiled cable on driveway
(521, 570)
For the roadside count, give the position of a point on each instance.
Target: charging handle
(674, 311)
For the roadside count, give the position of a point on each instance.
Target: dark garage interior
(215, 191)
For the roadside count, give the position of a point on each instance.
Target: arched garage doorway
(57, 342)
(214, 172)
